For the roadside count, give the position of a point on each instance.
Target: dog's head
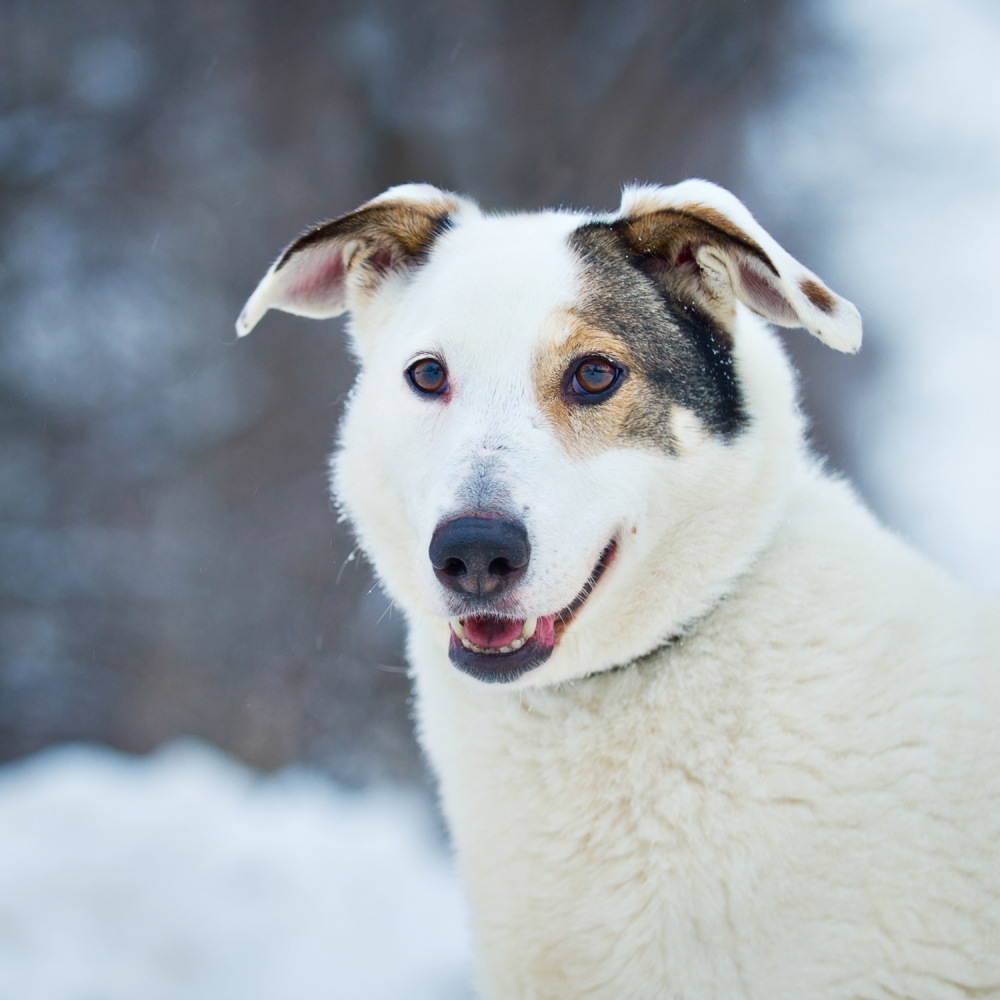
(569, 433)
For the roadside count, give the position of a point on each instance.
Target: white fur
(797, 798)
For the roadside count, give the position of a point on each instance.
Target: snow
(889, 143)
(186, 875)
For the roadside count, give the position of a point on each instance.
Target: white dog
(703, 728)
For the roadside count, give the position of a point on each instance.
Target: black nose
(480, 556)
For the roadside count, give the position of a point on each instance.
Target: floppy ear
(351, 256)
(701, 244)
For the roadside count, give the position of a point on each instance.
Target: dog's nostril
(454, 567)
(480, 556)
(500, 567)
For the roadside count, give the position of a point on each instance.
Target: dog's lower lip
(495, 649)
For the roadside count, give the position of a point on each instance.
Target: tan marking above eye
(583, 430)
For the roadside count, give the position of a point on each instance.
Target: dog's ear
(702, 245)
(332, 266)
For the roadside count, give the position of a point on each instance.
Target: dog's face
(569, 433)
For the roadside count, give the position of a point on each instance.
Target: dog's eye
(428, 375)
(594, 377)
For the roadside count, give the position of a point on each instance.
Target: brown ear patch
(818, 296)
(390, 232)
(689, 253)
(667, 232)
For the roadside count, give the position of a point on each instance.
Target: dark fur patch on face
(681, 353)
(818, 296)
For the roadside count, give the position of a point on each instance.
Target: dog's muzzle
(498, 649)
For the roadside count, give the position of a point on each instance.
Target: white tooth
(457, 627)
(517, 644)
(467, 644)
(477, 649)
(528, 629)
(506, 649)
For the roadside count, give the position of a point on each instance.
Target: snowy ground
(184, 876)
(890, 142)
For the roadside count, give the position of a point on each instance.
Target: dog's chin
(497, 649)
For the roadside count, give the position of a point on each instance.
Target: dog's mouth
(495, 649)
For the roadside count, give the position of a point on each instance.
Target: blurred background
(170, 562)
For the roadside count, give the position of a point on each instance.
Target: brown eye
(595, 376)
(428, 375)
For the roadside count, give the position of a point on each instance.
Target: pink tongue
(492, 633)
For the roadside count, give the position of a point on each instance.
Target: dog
(702, 727)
